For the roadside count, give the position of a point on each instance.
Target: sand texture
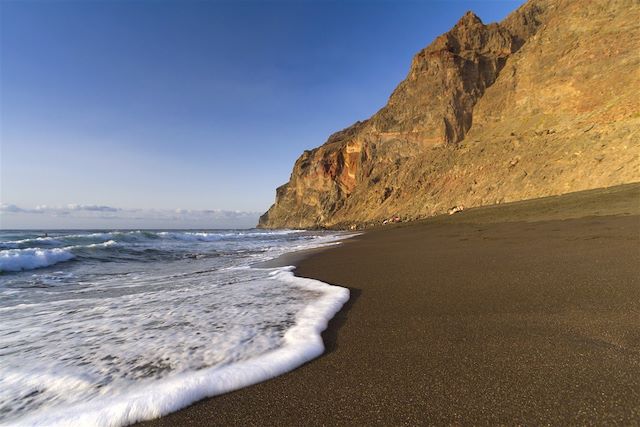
(509, 314)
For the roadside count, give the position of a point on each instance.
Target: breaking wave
(29, 259)
(32, 258)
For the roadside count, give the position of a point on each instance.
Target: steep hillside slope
(543, 103)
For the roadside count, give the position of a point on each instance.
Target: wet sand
(526, 313)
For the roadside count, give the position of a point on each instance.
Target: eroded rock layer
(545, 102)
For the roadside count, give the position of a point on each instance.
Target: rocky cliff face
(542, 103)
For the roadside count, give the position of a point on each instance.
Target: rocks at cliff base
(456, 209)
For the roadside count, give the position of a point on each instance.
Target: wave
(203, 236)
(106, 244)
(141, 236)
(37, 252)
(301, 343)
(29, 259)
(16, 244)
(32, 258)
(55, 241)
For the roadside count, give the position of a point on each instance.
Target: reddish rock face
(487, 113)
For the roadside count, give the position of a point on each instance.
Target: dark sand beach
(525, 313)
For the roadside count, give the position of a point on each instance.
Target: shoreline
(271, 325)
(481, 317)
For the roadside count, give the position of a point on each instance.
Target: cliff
(542, 103)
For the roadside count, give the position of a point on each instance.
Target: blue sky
(189, 106)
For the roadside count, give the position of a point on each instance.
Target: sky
(188, 114)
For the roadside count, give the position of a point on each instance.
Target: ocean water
(104, 328)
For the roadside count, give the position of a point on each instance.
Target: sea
(105, 328)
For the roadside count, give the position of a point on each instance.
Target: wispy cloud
(92, 208)
(108, 216)
(7, 208)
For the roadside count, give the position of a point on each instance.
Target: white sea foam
(301, 343)
(29, 259)
(144, 323)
